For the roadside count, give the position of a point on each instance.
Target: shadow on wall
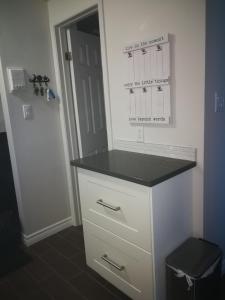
(10, 229)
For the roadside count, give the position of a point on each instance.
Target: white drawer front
(129, 268)
(130, 211)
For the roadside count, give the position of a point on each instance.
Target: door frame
(74, 94)
(65, 88)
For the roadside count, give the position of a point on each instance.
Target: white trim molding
(105, 72)
(180, 152)
(39, 235)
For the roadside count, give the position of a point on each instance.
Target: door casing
(66, 94)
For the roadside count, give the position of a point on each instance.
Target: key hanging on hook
(46, 80)
(33, 80)
(40, 84)
(42, 91)
(39, 79)
(36, 89)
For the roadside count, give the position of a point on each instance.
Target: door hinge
(68, 56)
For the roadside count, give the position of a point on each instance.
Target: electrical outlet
(219, 102)
(140, 134)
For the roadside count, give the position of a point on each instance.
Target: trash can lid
(194, 257)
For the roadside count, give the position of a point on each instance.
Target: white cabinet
(129, 229)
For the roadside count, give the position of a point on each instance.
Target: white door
(86, 70)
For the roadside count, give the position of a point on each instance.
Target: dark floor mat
(13, 260)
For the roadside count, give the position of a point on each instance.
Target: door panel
(89, 91)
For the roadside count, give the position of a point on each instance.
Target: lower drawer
(126, 266)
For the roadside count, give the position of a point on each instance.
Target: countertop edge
(133, 179)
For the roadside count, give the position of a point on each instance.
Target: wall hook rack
(38, 82)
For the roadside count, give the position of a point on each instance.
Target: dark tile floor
(58, 272)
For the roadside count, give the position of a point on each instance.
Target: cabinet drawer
(119, 206)
(126, 266)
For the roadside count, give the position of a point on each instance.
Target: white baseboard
(47, 231)
(173, 151)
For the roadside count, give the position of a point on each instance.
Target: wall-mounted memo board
(147, 65)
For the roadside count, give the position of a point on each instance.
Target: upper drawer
(122, 207)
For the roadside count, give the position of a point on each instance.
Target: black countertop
(143, 169)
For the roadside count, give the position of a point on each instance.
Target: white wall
(25, 42)
(2, 122)
(131, 20)
(185, 21)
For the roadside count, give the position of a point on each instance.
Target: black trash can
(193, 271)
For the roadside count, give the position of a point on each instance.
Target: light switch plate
(16, 78)
(27, 112)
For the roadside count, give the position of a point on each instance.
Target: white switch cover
(16, 77)
(27, 112)
(140, 134)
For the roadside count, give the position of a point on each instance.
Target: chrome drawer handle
(112, 263)
(100, 202)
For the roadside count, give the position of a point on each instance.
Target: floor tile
(60, 289)
(25, 287)
(79, 259)
(60, 264)
(72, 230)
(106, 284)
(7, 292)
(77, 240)
(21, 281)
(95, 276)
(74, 235)
(38, 269)
(39, 248)
(37, 294)
(91, 289)
(66, 248)
(79, 229)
